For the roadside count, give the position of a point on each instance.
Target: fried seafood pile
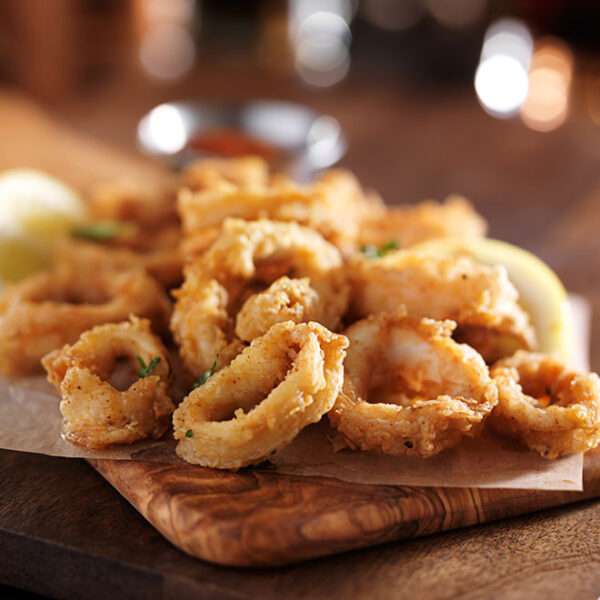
(274, 304)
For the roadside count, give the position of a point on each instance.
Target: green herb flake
(387, 247)
(373, 252)
(101, 231)
(189, 433)
(146, 369)
(204, 377)
(369, 251)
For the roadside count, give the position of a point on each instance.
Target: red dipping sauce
(230, 143)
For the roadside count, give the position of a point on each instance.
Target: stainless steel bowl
(309, 141)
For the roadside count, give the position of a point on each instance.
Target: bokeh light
(167, 50)
(320, 37)
(547, 102)
(164, 128)
(501, 79)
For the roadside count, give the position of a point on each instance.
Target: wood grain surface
(31, 139)
(66, 533)
(253, 518)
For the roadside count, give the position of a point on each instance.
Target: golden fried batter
(51, 309)
(549, 407)
(164, 265)
(285, 300)
(246, 258)
(409, 388)
(333, 205)
(256, 406)
(128, 200)
(409, 225)
(95, 413)
(480, 298)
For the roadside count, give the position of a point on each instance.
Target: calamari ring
(201, 325)
(481, 299)
(285, 300)
(245, 258)
(96, 414)
(333, 205)
(409, 388)
(163, 264)
(408, 225)
(51, 309)
(151, 205)
(549, 407)
(256, 406)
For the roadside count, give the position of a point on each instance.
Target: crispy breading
(411, 224)
(247, 257)
(409, 388)
(481, 299)
(548, 406)
(256, 406)
(333, 205)
(53, 308)
(95, 413)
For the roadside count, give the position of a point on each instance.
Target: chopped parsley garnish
(204, 377)
(146, 369)
(101, 231)
(374, 252)
(189, 433)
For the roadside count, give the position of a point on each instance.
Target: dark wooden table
(65, 532)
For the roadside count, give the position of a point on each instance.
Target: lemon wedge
(541, 292)
(35, 209)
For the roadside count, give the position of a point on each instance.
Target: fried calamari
(95, 413)
(149, 234)
(246, 258)
(268, 270)
(125, 200)
(481, 299)
(409, 388)
(163, 264)
(409, 225)
(285, 300)
(333, 205)
(257, 405)
(53, 308)
(549, 407)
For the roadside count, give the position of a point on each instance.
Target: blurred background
(496, 100)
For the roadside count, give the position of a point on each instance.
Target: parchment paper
(30, 421)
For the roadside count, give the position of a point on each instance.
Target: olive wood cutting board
(257, 518)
